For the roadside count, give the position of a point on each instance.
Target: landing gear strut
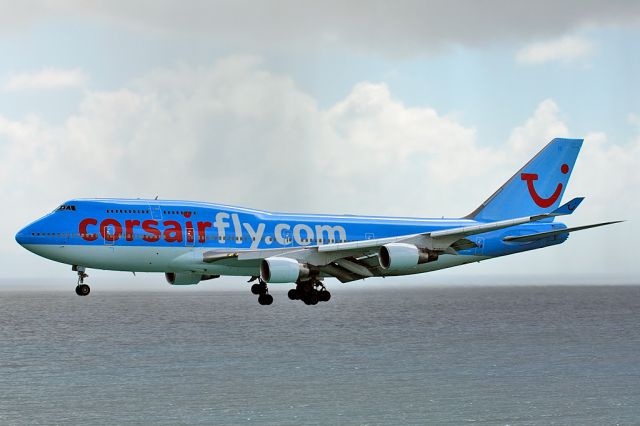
(261, 289)
(310, 292)
(82, 289)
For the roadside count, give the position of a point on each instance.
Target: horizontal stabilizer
(542, 235)
(465, 231)
(567, 208)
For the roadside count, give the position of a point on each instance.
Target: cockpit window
(69, 207)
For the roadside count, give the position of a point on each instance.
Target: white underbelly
(137, 259)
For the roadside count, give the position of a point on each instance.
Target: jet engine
(396, 256)
(282, 270)
(187, 278)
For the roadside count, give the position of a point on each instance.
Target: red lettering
(82, 228)
(105, 224)
(128, 226)
(172, 232)
(149, 227)
(202, 229)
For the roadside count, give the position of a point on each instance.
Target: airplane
(192, 242)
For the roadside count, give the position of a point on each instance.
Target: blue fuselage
(145, 235)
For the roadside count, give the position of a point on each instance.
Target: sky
(409, 108)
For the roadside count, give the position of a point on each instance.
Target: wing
(541, 235)
(358, 259)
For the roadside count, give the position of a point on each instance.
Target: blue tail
(537, 187)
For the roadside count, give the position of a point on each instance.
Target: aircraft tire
(83, 290)
(324, 296)
(256, 289)
(265, 299)
(293, 294)
(313, 298)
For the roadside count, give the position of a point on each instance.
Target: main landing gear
(261, 289)
(310, 292)
(82, 289)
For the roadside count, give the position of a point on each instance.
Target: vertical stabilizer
(537, 187)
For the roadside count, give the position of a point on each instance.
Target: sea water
(473, 355)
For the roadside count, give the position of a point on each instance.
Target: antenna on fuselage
(156, 197)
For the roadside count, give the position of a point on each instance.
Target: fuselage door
(190, 237)
(156, 212)
(109, 235)
(286, 236)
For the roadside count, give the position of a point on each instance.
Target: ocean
(461, 355)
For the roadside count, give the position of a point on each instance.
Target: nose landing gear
(82, 289)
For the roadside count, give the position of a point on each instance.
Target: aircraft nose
(21, 236)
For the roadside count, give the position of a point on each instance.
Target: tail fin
(537, 187)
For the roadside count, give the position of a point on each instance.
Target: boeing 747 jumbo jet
(194, 241)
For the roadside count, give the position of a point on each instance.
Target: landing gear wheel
(310, 292)
(310, 298)
(265, 299)
(324, 296)
(261, 289)
(82, 289)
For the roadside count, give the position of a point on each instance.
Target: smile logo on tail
(543, 202)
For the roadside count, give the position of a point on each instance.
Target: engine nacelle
(187, 278)
(398, 256)
(282, 270)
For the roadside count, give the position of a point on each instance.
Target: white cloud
(237, 133)
(47, 79)
(566, 49)
(544, 125)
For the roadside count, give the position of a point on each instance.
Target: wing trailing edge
(542, 235)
